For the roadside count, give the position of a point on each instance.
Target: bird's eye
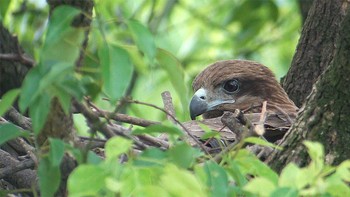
(231, 86)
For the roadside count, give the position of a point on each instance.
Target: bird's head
(236, 84)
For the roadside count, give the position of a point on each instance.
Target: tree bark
(326, 115)
(12, 72)
(316, 47)
(59, 124)
(304, 7)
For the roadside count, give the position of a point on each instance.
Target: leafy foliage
(154, 172)
(128, 40)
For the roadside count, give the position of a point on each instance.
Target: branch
(174, 118)
(19, 56)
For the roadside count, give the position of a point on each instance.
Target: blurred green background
(197, 33)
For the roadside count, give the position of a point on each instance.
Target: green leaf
(4, 4)
(56, 152)
(117, 146)
(176, 75)
(343, 170)
(150, 191)
(183, 155)
(55, 75)
(7, 100)
(338, 188)
(249, 164)
(86, 180)
(49, 177)
(285, 192)
(157, 128)
(39, 111)
(64, 98)
(236, 173)
(10, 131)
(143, 38)
(293, 177)
(116, 70)
(260, 186)
(92, 158)
(315, 151)
(30, 88)
(259, 141)
(151, 157)
(181, 183)
(62, 37)
(217, 180)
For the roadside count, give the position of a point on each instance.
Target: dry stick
(127, 119)
(284, 113)
(14, 116)
(259, 128)
(106, 130)
(19, 56)
(10, 169)
(173, 117)
(131, 120)
(28, 148)
(169, 107)
(230, 119)
(122, 117)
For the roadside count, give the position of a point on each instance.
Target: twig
(127, 119)
(131, 120)
(22, 121)
(174, 118)
(168, 105)
(94, 120)
(19, 56)
(260, 128)
(285, 114)
(10, 169)
(232, 120)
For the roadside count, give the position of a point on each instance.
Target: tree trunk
(12, 72)
(315, 50)
(326, 115)
(304, 7)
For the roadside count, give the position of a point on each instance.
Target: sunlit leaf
(86, 180)
(9, 131)
(7, 99)
(259, 141)
(176, 74)
(151, 157)
(143, 38)
(249, 164)
(117, 146)
(293, 177)
(315, 150)
(63, 37)
(116, 70)
(217, 179)
(181, 182)
(285, 192)
(183, 155)
(260, 186)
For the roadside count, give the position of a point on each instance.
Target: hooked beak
(200, 103)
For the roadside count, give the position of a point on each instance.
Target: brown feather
(257, 84)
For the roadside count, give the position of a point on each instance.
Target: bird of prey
(237, 84)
